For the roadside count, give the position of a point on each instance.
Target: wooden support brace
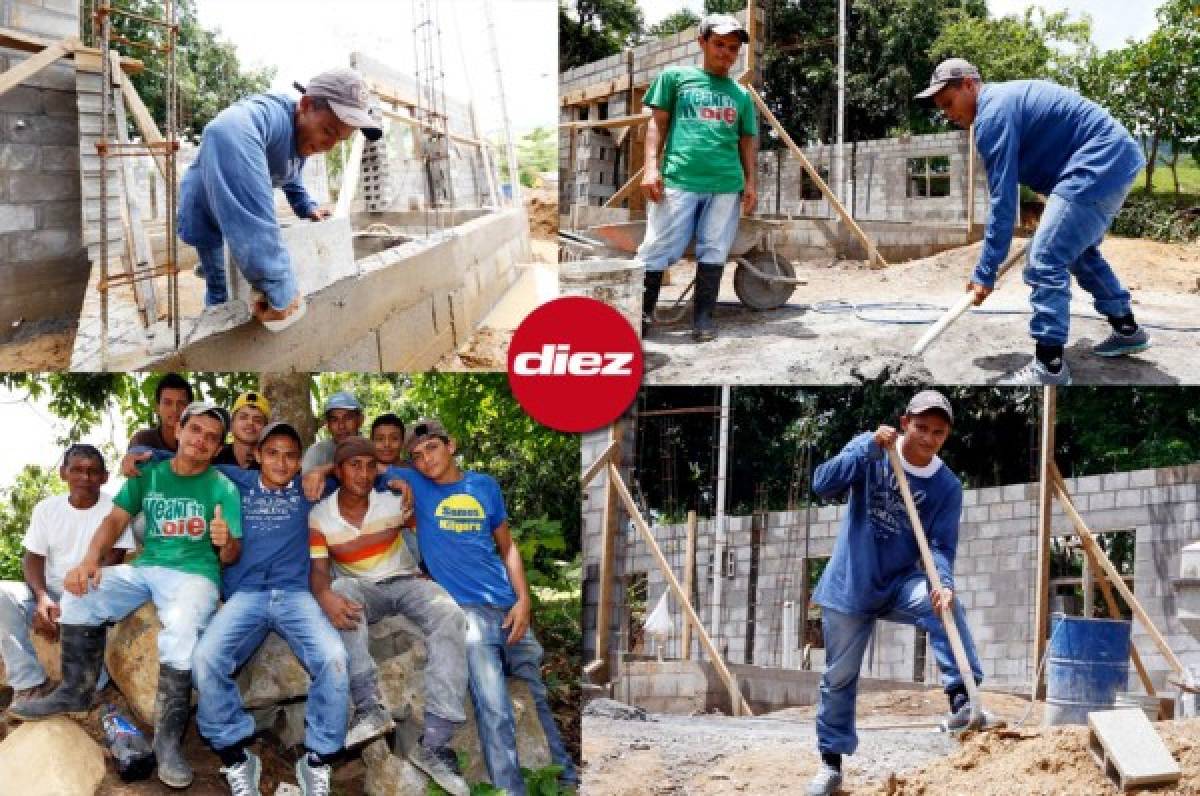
(628, 188)
(599, 673)
(144, 121)
(36, 63)
(873, 254)
(1089, 541)
(607, 124)
(689, 574)
(599, 464)
(740, 707)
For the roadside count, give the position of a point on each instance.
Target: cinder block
(44, 244)
(14, 218)
(1126, 745)
(21, 99)
(34, 19)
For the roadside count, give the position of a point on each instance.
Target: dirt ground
(841, 327)
(542, 206)
(710, 755)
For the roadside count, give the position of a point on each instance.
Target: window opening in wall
(920, 645)
(929, 178)
(1075, 588)
(812, 638)
(602, 111)
(583, 113)
(808, 188)
(635, 617)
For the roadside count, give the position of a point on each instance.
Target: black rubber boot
(82, 657)
(170, 719)
(708, 285)
(651, 284)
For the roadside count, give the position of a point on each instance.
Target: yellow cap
(252, 399)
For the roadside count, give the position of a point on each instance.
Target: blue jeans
(846, 637)
(184, 603)
(21, 663)
(212, 264)
(489, 661)
(1067, 242)
(711, 218)
(232, 637)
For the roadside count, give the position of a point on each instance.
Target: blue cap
(342, 400)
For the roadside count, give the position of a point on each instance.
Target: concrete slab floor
(818, 338)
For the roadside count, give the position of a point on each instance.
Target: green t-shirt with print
(709, 115)
(178, 510)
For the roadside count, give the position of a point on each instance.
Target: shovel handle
(935, 581)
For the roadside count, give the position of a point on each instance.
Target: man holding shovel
(707, 175)
(1071, 150)
(875, 571)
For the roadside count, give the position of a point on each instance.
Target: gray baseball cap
(929, 401)
(280, 427)
(342, 399)
(205, 408)
(721, 24)
(950, 69)
(347, 94)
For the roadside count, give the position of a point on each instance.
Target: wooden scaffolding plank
(35, 63)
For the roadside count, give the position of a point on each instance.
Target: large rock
(50, 655)
(50, 758)
(132, 658)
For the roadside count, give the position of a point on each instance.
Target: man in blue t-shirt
(266, 590)
(875, 571)
(1084, 161)
(465, 543)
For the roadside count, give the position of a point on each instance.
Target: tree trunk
(1175, 168)
(1150, 164)
(290, 395)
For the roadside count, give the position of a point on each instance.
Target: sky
(31, 431)
(305, 37)
(1113, 21)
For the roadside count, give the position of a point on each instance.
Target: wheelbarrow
(762, 280)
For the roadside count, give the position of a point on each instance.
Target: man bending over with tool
(708, 124)
(1071, 150)
(875, 571)
(250, 148)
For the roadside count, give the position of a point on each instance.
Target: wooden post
(608, 542)
(144, 120)
(1089, 541)
(873, 254)
(740, 708)
(141, 260)
(1041, 597)
(752, 32)
(689, 575)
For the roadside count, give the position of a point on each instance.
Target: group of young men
(240, 540)
(699, 177)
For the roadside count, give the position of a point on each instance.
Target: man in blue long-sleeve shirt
(875, 571)
(249, 149)
(1075, 153)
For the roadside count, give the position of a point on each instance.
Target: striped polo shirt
(373, 552)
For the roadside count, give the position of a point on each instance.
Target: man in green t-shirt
(193, 526)
(708, 123)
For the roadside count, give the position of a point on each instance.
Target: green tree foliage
(994, 440)
(682, 19)
(888, 60)
(589, 30)
(208, 71)
(16, 505)
(1035, 45)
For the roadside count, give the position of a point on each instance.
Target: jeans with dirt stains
(672, 222)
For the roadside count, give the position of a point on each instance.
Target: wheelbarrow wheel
(762, 294)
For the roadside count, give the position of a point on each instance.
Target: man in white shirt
(59, 532)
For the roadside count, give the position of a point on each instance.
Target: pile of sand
(1048, 761)
(542, 207)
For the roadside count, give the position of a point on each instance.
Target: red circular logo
(575, 364)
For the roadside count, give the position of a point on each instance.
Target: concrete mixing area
(848, 322)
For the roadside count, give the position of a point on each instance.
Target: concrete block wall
(994, 571)
(42, 263)
(879, 188)
(649, 58)
(466, 179)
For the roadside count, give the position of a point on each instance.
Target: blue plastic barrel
(1087, 664)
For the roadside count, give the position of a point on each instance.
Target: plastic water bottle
(131, 750)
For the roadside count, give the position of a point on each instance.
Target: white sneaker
(243, 777)
(1036, 374)
(826, 782)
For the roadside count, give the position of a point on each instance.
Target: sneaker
(1117, 344)
(368, 725)
(441, 765)
(243, 777)
(1035, 374)
(959, 720)
(826, 782)
(313, 779)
